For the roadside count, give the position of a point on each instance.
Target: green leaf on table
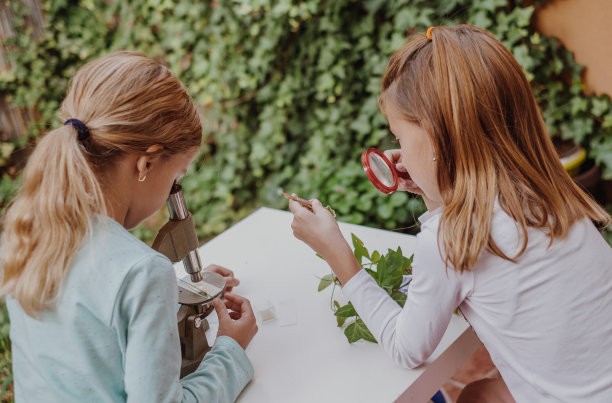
(390, 269)
(399, 297)
(346, 311)
(375, 257)
(408, 264)
(326, 281)
(360, 250)
(381, 268)
(357, 331)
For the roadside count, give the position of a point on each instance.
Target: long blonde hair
(128, 102)
(473, 99)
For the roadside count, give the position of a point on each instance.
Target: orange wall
(585, 28)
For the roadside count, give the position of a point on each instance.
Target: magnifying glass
(380, 171)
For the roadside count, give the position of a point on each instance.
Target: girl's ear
(146, 161)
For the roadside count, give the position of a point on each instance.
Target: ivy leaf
(407, 266)
(346, 311)
(361, 125)
(523, 15)
(607, 122)
(390, 273)
(326, 281)
(491, 5)
(384, 210)
(447, 6)
(375, 257)
(399, 297)
(601, 151)
(524, 57)
(481, 19)
(357, 331)
(360, 250)
(381, 269)
(406, 18)
(339, 319)
(577, 129)
(600, 106)
(578, 104)
(374, 5)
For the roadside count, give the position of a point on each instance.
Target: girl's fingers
(221, 310)
(295, 207)
(316, 205)
(232, 305)
(230, 296)
(239, 303)
(393, 155)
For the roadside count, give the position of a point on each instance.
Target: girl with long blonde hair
(93, 309)
(508, 237)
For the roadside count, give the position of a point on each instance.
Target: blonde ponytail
(48, 220)
(128, 102)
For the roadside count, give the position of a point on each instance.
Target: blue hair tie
(81, 128)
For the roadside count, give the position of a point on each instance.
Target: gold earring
(142, 179)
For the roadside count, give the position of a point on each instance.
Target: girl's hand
(230, 280)
(405, 183)
(317, 228)
(239, 323)
(320, 231)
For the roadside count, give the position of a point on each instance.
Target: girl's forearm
(343, 263)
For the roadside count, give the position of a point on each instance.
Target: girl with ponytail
(93, 309)
(508, 238)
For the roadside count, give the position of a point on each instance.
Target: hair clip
(428, 34)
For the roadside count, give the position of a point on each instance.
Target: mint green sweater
(114, 335)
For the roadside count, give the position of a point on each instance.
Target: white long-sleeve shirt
(546, 320)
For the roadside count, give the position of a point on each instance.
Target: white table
(301, 355)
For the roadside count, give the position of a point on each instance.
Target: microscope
(177, 240)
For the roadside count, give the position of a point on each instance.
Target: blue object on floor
(438, 397)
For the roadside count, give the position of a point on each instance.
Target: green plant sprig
(388, 270)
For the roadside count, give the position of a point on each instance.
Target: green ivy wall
(288, 89)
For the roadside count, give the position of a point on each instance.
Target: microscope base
(192, 333)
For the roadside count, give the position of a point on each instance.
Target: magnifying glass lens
(379, 170)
